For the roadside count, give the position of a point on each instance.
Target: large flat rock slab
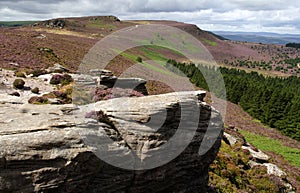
(55, 148)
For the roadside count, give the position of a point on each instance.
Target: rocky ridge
(46, 148)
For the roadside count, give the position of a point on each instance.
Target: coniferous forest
(274, 101)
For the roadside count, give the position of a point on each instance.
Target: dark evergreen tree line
(293, 45)
(274, 101)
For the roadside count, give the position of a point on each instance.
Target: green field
(212, 43)
(147, 65)
(100, 24)
(15, 23)
(268, 144)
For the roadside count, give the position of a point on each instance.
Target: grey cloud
(256, 5)
(169, 5)
(292, 24)
(212, 14)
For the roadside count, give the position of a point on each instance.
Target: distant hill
(260, 37)
(16, 23)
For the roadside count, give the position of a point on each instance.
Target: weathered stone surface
(137, 84)
(257, 154)
(106, 78)
(43, 148)
(275, 170)
(229, 139)
(57, 68)
(101, 72)
(54, 23)
(85, 80)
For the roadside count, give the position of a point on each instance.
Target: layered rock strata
(55, 148)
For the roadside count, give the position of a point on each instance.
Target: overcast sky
(282, 16)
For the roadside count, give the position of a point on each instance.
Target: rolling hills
(260, 37)
(67, 40)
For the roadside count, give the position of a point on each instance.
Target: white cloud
(238, 15)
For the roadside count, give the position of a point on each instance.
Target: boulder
(57, 68)
(136, 84)
(54, 148)
(107, 79)
(275, 170)
(229, 139)
(54, 23)
(257, 154)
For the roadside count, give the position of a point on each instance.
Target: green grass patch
(256, 121)
(190, 47)
(268, 144)
(152, 52)
(153, 55)
(154, 68)
(100, 24)
(173, 43)
(185, 43)
(158, 40)
(145, 64)
(209, 42)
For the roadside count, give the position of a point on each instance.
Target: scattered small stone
(14, 64)
(231, 127)
(36, 90)
(15, 94)
(38, 100)
(41, 36)
(52, 113)
(19, 84)
(24, 111)
(20, 74)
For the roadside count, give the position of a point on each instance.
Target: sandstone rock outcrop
(106, 79)
(47, 148)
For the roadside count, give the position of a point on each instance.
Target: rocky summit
(58, 148)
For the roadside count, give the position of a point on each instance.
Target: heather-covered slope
(67, 40)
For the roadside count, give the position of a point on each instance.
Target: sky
(279, 16)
